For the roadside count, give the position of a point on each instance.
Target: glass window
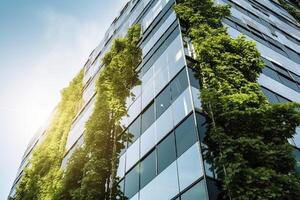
(185, 135)
(271, 73)
(158, 32)
(121, 185)
(161, 78)
(163, 101)
(189, 167)
(134, 110)
(193, 78)
(287, 82)
(162, 187)
(196, 98)
(148, 140)
(132, 182)
(297, 157)
(166, 153)
(201, 124)
(296, 137)
(164, 124)
(132, 154)
(135, 129)
(280, 69)
(148, 169)
(179, 84)
(271, 96)
(296, 77)
(213, 189)
(148, 117)
(121, 166)
(148, 92)
(181, 107)
(197, 192)
(282, 99)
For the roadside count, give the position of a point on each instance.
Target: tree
(247, 137)
(95, 178)
(41, 177)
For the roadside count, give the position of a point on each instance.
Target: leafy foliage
(292, 10)
(246, 137)
(91, 172)
(41, 177)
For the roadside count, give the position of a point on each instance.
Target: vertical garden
(91, 171)
(246, 137)
(41, 177)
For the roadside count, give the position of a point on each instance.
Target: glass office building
(165, 158)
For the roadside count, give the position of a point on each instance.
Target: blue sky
(43, 44)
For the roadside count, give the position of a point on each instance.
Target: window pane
(182, 106)
(194, 81)
(132, 182)
(162, 187)
(163, 101)
(213, 189)
(166, 153)
(179, 84)
(185, 135)
(121, 166)
(271, 96)
(135, 129)
(148, 117)
(287, 82)
(121, 185)
(148, 140)
(297, 157)
(296, 137)
(132, 154)
(148, 169)
(189, 167)
(197, 192)
(164, 124)
(201, 123)
(271, 73)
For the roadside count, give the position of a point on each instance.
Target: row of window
(263, 39)
(160, 104)
(266, 26)
(273, 97)
(267, 20)
(265, 9)
(281, 75)
(136, 14)
(165, 162)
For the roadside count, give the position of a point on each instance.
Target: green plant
(91, 172)
(41, 177)
(292, 10)
(246, 137)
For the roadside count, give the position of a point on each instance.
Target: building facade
(165, 158)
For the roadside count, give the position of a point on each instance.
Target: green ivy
(91, 171)
(294, 11)
(40, 178)
(246, 139)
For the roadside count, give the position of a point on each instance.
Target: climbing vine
(91, 171)
(41, 177)
(294, 11)
(246, 138)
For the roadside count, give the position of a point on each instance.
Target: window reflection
(132, 182)
(185, 135)
(197, 192)
(189, 166)
(148, 169)
(164, 186)
(166, 153)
